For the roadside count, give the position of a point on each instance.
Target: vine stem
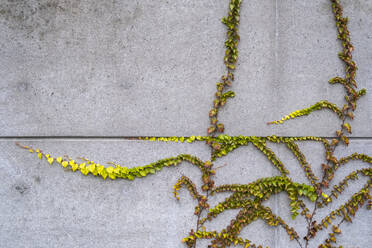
(198, 220)
(197, 228)
(332, 150)
(345, 111)
(299, 243)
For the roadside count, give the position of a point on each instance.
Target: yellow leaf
(84, 171)
(40, 155)
(100, 168)
(104, 175)
(109, 170)
(64, 164)
(124, 170)
(336, 229)
(47, 155)
(348, 127)
(50, 160)
(59, 160)
(345, 140)
(74, 167)
(91, 167)
(30, 150)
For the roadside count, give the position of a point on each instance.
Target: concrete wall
(77, 76)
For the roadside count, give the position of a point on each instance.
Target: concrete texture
(45, 206)
(109, 67)
(287, 57)
(144, 68)
(126, 68)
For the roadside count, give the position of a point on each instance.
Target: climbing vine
(249, 198)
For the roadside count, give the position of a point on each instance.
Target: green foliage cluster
(115, 171)
(263, 188)
(306, 111)
(249, 198)
(231, 55)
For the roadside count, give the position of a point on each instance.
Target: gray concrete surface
(124, 68)
(287, 57)
(109, 67)
(136, 68)
(45, 206)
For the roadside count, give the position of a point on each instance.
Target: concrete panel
(138, 68)
(45, 206)
(287, 57)
(141, 68)
(109, 67)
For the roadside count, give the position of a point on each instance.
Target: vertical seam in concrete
(276, 230)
